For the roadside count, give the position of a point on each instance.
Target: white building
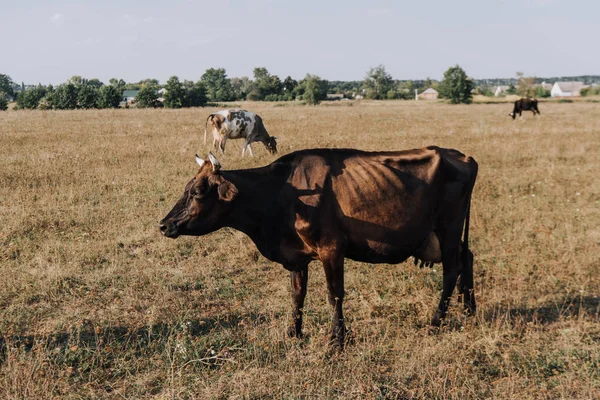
(567, 89)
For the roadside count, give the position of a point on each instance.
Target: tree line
(215, 86)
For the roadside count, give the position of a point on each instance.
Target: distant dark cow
(239, 124)
(331, 204)
(525, 104)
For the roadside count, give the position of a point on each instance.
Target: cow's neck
(256, 206)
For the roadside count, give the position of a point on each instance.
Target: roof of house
(430, 91)
(573, 87)
(130, 93)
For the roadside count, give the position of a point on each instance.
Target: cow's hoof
(470, 309)
(436, 321)
(293, 332)
(336, 346)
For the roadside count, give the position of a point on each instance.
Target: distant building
(429, 94)
(335, 96)
(501, 89)
(567, 89)
(129, 96)
(161, 94)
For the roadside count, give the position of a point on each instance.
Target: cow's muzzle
(169, 229)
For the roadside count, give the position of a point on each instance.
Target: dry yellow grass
(95, 303)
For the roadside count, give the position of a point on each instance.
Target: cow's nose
(162, 227)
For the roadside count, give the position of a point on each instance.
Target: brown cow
(525, 104)
(331, 204)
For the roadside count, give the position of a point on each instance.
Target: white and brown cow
(239, 124)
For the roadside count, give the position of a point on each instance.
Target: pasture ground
(95, 303)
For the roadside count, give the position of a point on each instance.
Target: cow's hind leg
(333, 263)
(465, 282)
(451, 266)
(299, 281)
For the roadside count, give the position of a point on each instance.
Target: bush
(540, 92)
(590, 91)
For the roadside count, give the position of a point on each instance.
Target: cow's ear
(227, 191)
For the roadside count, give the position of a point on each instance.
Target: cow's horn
(215, 163)
(199, 160)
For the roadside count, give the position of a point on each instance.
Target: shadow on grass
(139, 340)
(567, 308)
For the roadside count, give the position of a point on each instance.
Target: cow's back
(383, 203)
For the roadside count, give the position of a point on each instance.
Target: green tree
(30, 98)
(118, 83)
(77, 80)
(241, 87)
(315, 89)
(525, 85)
(174, 93)
(3, 101)
(542, 93)
(65, 97)
(7, 85)
(289, 85)
(94, 83)
(88, 97)
(147, 97)
(218, 86)
(47, 102)
(265, 85)
(456, 86)
(194, 94)
(109, 97)
(378, 83)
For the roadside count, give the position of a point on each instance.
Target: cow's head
(206, 199)
(513, 115)
(217, 121)
(271, 144)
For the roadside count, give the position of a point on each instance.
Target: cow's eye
(200, 191)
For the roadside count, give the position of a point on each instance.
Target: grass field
(95, 303)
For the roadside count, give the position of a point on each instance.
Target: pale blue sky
(49, 41)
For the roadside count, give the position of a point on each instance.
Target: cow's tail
(474, 169)
(206, 124)
(466, 254)
(466, 234)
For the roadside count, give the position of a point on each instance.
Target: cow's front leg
(333, 263)
(222, 144)
(299, 281)
(247, 146)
